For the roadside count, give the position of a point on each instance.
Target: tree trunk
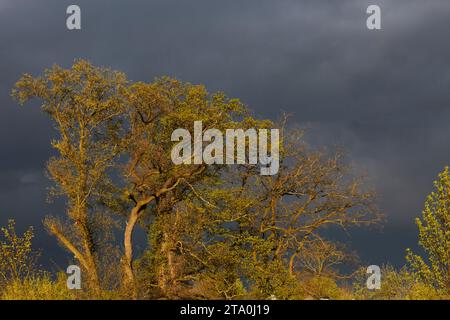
(168, 270)
(85, 259)
(129, 279)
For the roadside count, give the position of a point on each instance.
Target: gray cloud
(382, 95)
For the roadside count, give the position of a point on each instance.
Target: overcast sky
(382, 95)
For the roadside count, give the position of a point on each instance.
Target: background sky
(382, 95)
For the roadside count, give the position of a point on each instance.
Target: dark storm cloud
(382, 95)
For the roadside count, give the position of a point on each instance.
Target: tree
(434, 238)
(85, 104)
(247, 228)
(214, 231)
(153, 183)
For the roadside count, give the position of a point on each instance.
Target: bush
(17, 258)
(396, 285)
(38, 288)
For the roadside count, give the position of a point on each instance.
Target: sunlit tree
(434, 237)
(214, 231)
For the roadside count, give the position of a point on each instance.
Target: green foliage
(17, 258)
(434, 238)
(324, 287)
(395, 285)
(38, 288)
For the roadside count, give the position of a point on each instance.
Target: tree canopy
(214, 231)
